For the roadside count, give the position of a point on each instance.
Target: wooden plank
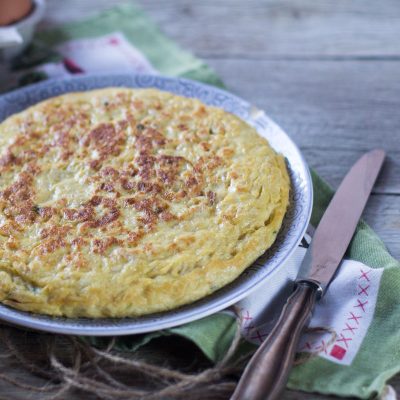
(276, 28)
(266, 29)
(58, 11)
(383, 215)
(333, 110)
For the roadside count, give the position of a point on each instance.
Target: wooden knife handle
(267, 372)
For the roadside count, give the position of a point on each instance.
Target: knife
(266, 374)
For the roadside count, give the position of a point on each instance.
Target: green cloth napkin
(379, 356)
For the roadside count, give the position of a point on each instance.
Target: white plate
(293, 229)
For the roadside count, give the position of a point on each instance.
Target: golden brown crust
(121, 202)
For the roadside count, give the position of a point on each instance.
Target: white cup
(16, 37)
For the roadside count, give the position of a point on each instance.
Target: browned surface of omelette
(122, 202)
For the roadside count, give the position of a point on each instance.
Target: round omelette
(123, 202)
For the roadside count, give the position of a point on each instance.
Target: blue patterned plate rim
(293, 229)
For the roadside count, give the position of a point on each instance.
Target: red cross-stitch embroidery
(246, 317)
(363, 290)
(259, 336)
(307, 346)
(354, 317)
(361, 305)
(249, 328)
(344, 340)
(350, 328)
(364, 275)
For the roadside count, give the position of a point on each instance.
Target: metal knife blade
(339, 222)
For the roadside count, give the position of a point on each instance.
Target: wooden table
(328, 72)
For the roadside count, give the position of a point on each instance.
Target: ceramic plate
(294, 224)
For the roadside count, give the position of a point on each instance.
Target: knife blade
(267, 372)
(337, 225)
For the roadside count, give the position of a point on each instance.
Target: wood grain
(328, 72)
(281, 28)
